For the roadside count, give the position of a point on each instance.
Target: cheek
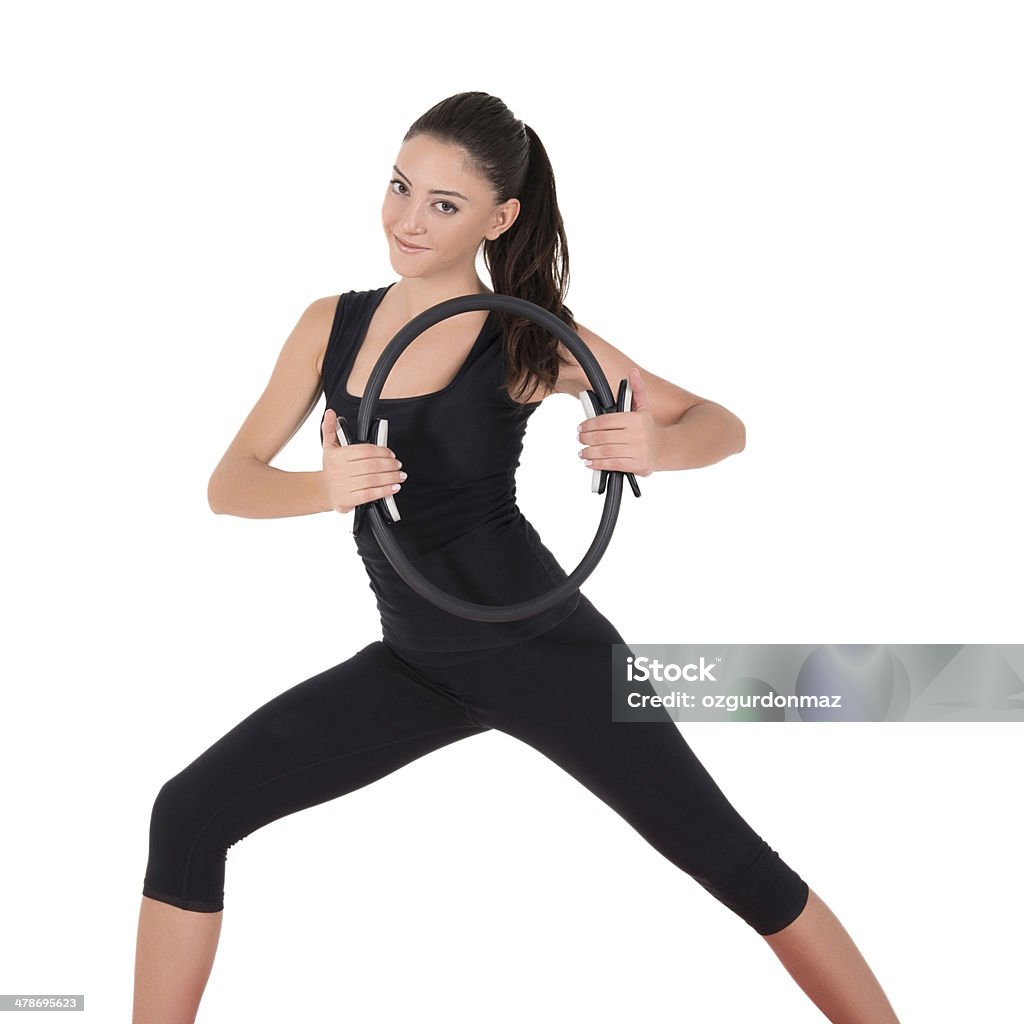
(388, 211)
(474, 234)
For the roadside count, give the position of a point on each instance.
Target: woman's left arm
(667, 427)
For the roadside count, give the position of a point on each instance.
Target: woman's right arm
(245, 484)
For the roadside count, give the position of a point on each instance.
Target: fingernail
(587, 462)
(403, 476)
(396, 487)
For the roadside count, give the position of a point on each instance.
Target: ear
(504, 217)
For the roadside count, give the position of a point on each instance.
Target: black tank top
(460, 526)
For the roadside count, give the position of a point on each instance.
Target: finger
(361, 451)
(380, 456)
(373, 472)
(329, 430)
(592, 431)
(602, 436)
(622, 464)
(382, 478)
(636, 383)
(603, 451)
(365, 494)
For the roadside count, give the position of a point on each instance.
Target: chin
(403, 271)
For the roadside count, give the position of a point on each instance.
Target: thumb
(636, 383)
(329, 430)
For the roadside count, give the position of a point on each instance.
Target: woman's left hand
(624, 441)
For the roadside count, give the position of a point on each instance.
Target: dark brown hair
(531, 259)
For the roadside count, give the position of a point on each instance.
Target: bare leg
(173, 957)
(821, 957)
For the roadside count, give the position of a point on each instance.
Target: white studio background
(804, 211)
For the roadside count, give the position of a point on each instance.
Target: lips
(409, 245)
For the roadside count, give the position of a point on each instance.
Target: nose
(411, 223)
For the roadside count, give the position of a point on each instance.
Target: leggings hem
(198, 906)
(774, 928)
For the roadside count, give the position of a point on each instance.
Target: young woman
(468, 173)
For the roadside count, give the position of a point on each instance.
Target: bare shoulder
(667, 401)
(293, 389)
(571, 378)
(306, 344)
(314, 327)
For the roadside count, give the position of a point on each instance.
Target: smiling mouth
(402, 241)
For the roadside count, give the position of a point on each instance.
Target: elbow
(733, 434)
(741, 437)
(229, 489)
(214, 497)
(735, 429)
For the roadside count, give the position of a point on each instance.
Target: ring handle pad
(387, 505)
(592, 407)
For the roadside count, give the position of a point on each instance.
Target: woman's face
(436, 203)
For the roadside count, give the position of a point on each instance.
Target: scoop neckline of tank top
(355, 348)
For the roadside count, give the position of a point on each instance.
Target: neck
(410, 296)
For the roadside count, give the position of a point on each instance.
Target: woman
(459, 398)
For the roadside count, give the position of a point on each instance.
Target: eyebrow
(435, 191)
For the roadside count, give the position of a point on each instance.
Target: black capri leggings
(368, 716)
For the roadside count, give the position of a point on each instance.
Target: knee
(185, 866)
(177, 809)
(756, 884)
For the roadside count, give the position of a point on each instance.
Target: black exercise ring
(604, 403)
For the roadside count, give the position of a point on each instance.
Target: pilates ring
(383, 513)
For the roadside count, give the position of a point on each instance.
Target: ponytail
(531, 259)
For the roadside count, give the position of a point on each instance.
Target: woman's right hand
(356, 473)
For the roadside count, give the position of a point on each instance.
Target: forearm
(252, 489)
(706, 433)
